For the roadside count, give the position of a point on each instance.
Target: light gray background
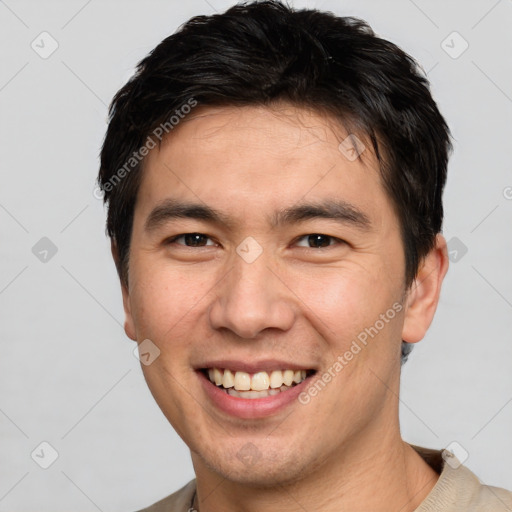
(67, 372)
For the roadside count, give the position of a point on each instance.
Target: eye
(317, 241)
(191, 240)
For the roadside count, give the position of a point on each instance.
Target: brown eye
(191, 240)
(317, 241)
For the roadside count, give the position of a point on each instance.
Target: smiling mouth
(255, 385)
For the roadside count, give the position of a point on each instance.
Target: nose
(251, 298)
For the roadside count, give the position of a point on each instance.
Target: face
(262, 253)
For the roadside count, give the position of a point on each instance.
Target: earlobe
(129, 326)
(423, 296)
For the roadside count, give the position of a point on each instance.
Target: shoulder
(492, 499)
(458, 489)
(470, 495)
(178, 501)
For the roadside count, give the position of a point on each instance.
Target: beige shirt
(457, 490)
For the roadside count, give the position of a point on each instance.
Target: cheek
(163, 300)
(344, 300)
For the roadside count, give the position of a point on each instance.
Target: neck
(387, 475)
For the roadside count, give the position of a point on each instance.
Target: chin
(251, 467)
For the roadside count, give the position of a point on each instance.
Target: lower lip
(250, 407)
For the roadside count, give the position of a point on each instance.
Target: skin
(303, 304)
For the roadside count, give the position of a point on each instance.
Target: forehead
(256, 159)
(274, 129)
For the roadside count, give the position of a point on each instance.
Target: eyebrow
(170, 209)
(337, 210)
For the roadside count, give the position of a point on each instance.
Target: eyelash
(173, 239)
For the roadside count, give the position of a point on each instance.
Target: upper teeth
(243, 381)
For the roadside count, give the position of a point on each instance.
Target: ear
(423, 295)
(129, 325)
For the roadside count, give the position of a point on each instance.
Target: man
(274, 181)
